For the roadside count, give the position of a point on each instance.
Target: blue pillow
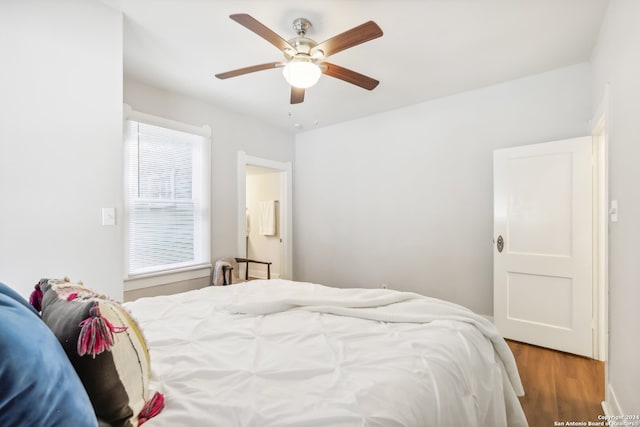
(38, 385)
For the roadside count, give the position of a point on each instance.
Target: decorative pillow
(105, 346)
(38, 386)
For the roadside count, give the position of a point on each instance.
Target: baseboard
(262, 274)
(610, 405)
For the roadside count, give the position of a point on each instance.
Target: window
(167, 201)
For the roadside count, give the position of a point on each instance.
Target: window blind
(167, 198)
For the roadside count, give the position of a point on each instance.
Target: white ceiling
(430, 49)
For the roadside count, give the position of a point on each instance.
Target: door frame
(600, 131)
(286, 206)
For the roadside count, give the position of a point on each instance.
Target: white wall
(616, 60)
(405, 197)
(231, 132)
(261, 187)
(60, 143)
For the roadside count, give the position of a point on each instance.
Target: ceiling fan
(305, 58)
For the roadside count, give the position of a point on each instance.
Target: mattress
(278, 353)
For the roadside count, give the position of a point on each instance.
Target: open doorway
(263, 228)
(264, 186)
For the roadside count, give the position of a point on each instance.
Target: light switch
(108, 216)
(613, 211)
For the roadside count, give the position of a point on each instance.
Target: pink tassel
(151, 408)
(72, 296)
(36, 298)
(96, 333)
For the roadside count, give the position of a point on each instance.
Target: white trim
(130, 113)
(166, 277)
(286, 206)
(178, 274)
(610, 405)
(600, 130)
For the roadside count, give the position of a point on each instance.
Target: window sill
(166, 277)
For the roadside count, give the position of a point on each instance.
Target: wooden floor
(559, 387)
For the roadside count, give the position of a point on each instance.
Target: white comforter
(283, 354)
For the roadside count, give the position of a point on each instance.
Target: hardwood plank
(558, 386)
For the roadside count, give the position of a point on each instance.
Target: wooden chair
(229, 275)
(246, 261)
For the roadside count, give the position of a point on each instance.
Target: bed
(276, 353)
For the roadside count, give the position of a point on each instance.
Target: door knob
(500, 244)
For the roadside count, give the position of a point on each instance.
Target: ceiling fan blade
(260, 29)
(349, 76)
(247, 70)
(297, 95)
(350, 38)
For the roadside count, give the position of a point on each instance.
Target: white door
(543, 225)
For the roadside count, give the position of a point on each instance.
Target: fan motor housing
(302, 45)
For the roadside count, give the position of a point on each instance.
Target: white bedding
(283, 354)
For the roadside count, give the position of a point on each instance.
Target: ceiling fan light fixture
(301, 73)
(304, 58)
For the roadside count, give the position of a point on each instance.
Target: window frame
(181, 271)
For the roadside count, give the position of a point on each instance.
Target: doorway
(265, 182)
(262, 231)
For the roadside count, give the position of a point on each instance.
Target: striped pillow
(107, 349)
